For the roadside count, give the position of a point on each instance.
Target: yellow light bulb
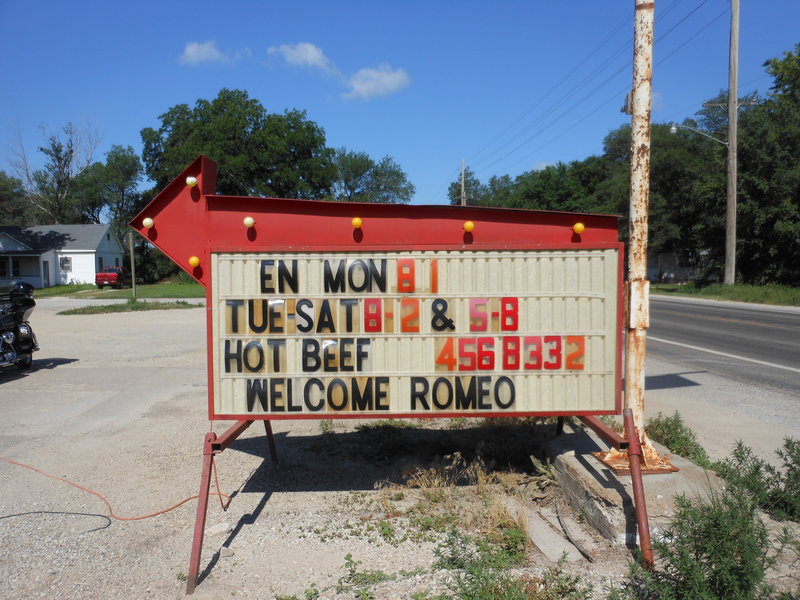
(578, 228)
(469, 226)
(356, 222)
(194, 261)
(249, 222)
(191, 181)
(147, 223)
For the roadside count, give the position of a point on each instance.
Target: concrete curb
(606, 499)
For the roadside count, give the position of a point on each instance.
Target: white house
(49, 255)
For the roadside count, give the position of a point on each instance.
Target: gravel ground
(117, 403)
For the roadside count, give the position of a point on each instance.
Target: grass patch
(759, 294)
(156, 290)
(129, 306)
(484, 563)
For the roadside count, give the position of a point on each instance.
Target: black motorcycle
(17, 340)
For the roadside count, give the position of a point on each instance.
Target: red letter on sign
(405, 275)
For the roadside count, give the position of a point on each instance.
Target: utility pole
(733, 117)
(463, 189)
(638, 286)
(133, 265)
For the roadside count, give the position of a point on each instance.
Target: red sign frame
(189, 222)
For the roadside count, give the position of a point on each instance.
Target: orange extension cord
(111, 514)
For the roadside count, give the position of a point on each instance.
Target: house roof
(57, 237)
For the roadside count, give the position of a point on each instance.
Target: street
(731, 370)
(750, 343)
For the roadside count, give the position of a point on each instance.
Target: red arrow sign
(187, 221)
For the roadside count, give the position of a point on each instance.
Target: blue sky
(508, 86)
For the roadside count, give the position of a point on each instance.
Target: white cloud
(369, 83)
(196, 53)
(304, 54)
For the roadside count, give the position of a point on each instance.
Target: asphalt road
(753, 344)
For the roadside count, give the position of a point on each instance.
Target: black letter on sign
(337, 383)
(470, 398)
(284, 276)
(483, 391)
(254, 345)
(419, 389)
(381, 393)
(442, 381)
(511, 392)
(251, 318)
(307, 317)
(334, 283)
(256, 388)
(307, 395)
(311, 360)
(236, 355)
(266, 276)
(440, 321)
(234, 305)
(362, 400)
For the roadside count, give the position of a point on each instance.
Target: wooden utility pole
(463, 189)
(133, 265)
(733, 117)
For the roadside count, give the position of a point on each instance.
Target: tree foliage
(687, 184)
(361, 179)
(13, 205)
(49, 189)
(258, 153)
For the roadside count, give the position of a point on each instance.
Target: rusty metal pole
(638, 286)
(639, 500)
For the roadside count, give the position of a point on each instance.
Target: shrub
(777, 491)
(714, 549)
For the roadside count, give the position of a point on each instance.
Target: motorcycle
(17, 340)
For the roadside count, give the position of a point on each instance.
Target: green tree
(475, 192)
(13, 206)
(361, 179)
(769, 180)
(258, 153)
(109, 191)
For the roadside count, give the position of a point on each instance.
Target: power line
(594, 90)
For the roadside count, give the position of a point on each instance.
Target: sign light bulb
(469, 226)
(147, 223)
(191, 181)
(356, 222)
(249, 222)
(578, 228)
(194, 261)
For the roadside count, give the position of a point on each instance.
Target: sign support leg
(202, 510)
(214, 445)
(271, 441)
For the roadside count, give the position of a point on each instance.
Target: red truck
(117, 277)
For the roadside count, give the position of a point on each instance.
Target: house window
(99, 263)
(108, 237)
(15, 272)
(65, 263)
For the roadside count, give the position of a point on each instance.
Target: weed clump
(673, 433)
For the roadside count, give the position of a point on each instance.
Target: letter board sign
(343, 310)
